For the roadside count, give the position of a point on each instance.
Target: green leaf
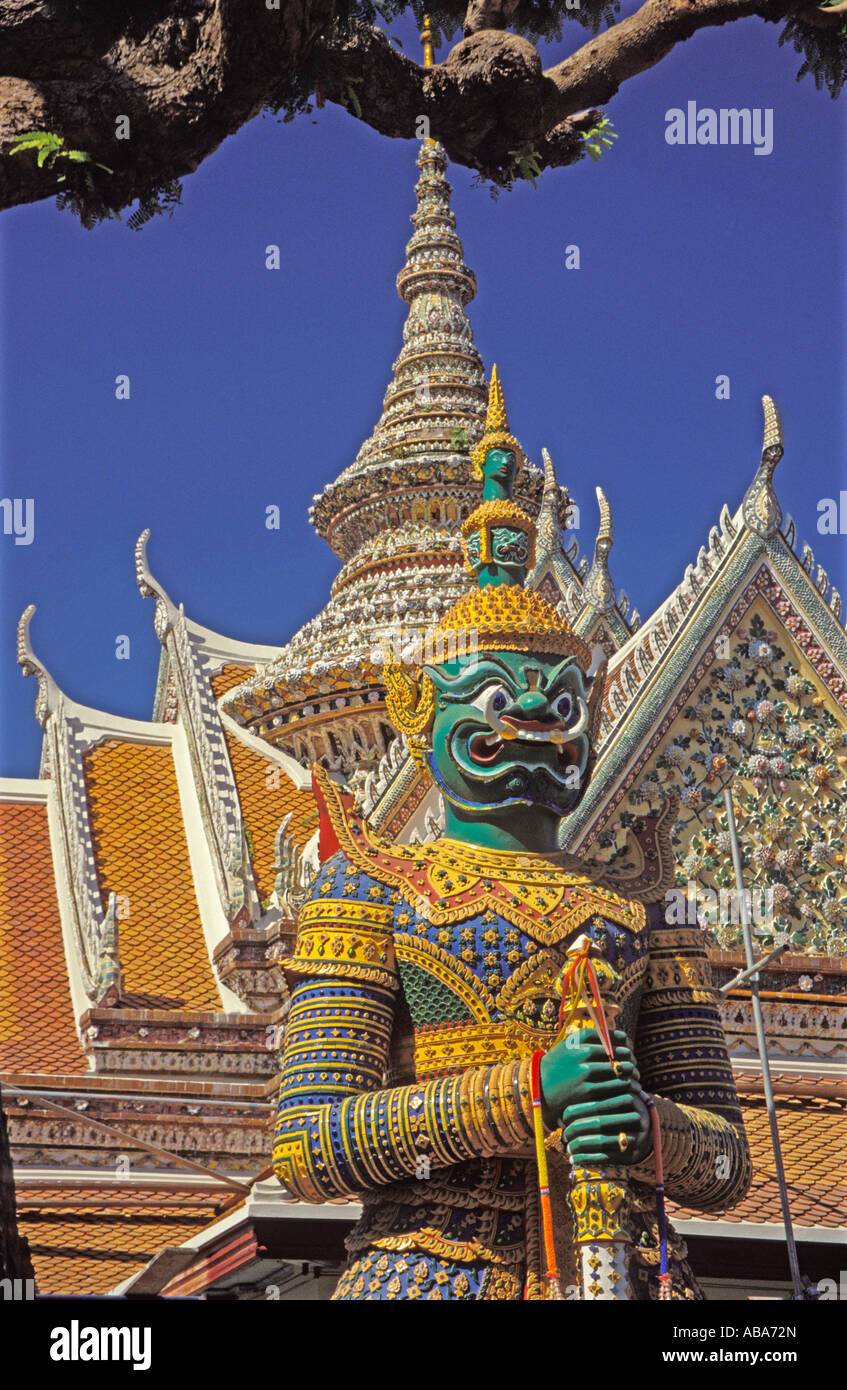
(37, 135)
(38, 139)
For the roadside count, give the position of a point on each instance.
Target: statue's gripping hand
(593, 1102)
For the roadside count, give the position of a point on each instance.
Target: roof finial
(605, 533)
(549, 527)
(772, 443)
(761, 510)
(149, 587)
(49, 695)
(599, 591)
(428, 42)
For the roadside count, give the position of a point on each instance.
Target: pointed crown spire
(427, 41)
(496, 417)
(499, 545)
(496, 434)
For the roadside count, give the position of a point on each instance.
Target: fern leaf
(41, 140)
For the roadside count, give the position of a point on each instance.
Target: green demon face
(498, 473)
(509, 556)
(510, 730)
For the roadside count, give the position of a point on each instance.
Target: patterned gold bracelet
(510, 1115)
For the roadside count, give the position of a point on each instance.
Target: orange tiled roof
(267, 795)
(80, 1250)
(813, 1136)
(142, 853)
(229, 676)
(37, 1030)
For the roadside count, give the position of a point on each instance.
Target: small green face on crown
(509, 556)
(511, 731)
(498, 474)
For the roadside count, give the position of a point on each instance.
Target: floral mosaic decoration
(765, 726)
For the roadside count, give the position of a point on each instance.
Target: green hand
(581, 1092)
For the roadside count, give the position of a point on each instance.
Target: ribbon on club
(582, 983)
(552, 1273)
(599, 1198)
(581, 989)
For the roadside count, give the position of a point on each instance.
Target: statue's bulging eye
(499, 702)
(564, 707)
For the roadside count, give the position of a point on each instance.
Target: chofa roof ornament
(761, 510)
(149, 587)
(49, 695)
(599, 591)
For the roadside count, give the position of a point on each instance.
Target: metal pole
(132, 1141)
(761, 1043)
(752, 970)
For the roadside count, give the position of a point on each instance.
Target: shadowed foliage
(144, 90)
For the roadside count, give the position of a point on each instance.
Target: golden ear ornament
(411, 708)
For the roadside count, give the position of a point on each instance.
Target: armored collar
(549, 896)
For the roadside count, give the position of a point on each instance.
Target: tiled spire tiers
(393, 515)
(438, 385)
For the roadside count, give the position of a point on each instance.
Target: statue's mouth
(487, 749)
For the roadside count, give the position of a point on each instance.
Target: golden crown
(500, 618)
(496, 434)
(506, 617)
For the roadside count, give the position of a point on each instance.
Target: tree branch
(188, 73)
(595, 72)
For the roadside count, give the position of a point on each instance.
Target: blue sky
(251, 387)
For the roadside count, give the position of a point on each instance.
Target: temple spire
(435, 404)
